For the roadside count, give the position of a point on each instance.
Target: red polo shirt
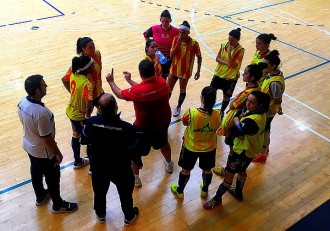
(151, 103)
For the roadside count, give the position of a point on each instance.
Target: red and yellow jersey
(273, 108)
(238, 102)
(240, 99)
(158, 67)
(200, 134)
(95, 77)
(258, 58)
(183, 60)
(224, 71)
(81, 90)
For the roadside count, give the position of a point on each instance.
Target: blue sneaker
(84, 161)
(129, 222)
(67, 207)
(41, 200)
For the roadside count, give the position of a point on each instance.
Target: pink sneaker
(261, 157)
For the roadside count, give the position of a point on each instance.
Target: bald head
(108, 104)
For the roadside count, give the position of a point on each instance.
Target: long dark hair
(82, 43)
(209, 94)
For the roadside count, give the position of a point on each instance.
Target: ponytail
(273, 58)
(266, 38)
(82, 43)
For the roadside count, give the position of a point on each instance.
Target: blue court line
(306, 70)
(16, 23)
(53, 7)
(242, 12)
(38, 19)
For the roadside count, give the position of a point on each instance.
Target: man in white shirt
(39, 142)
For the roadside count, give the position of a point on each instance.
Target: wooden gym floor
(39, 37)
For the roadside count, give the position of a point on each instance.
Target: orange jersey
(158, 67)
(183, 59)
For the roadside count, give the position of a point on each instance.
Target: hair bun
(236, 33)
(165, 14)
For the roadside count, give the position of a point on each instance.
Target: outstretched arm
(128, 78)
(115, 89)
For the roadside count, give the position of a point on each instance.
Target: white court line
(305, 105)
(306, 126)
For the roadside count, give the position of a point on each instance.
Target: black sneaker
(42, 199)
(129, 222)
(238, 197)
(101, 219)
(67, 207)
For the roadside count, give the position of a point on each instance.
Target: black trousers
(124, 181)
(45, 167)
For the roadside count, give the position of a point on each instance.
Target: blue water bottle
(162, 58)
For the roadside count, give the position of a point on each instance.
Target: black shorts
(166, 68)
(268, 123)
(227, 86)
(79, 126)
(237, 163)
(188, 159)
(148, 139)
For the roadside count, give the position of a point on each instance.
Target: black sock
(240, 181)
(223, 188)
(182, 96)
(224, 105)
(207, 178)
(183, 180)
(75, 144)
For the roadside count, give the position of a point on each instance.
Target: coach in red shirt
(152, 111)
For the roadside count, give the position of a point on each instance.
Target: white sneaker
(138, 182)
(168, 166)
(176, 111)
